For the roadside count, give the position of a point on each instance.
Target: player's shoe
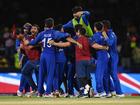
(34, 93)
(39, 95)
(120, 95)
(113, 93)
(48, 95)
(27, 94)
(20, 94)
(109, 95)
(100, 95)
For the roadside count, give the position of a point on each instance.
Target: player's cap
(77, 9)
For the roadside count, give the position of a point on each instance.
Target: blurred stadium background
(123, 14)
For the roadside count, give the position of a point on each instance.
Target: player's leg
(42, 75)
(27, 71)
(114, 75)
(50, 61)
(70, 77)
(99, 73)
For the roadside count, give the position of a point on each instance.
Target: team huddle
(56, 57)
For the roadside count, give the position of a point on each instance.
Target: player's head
(49, 23)
(76, 11)
(35, 29)
(59, 27)
(77, 27)
(26, 28)
(82, 31)
(107, 24)
(98, 26)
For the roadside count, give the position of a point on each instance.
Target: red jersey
(33, 53)
(84, 53)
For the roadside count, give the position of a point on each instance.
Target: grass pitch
(14, 100)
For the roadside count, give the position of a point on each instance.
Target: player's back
(48, 35)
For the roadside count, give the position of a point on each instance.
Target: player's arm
(59, 35)
(59, 44)
(74, 41)
(94, 43)
(99, 47)
(68, 25)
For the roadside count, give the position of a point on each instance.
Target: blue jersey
(85, 18)
(99, 39)
(46, 36)
(112, 42)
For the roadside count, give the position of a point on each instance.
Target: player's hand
(104, 34)
(80, 45)
(51, 42)
(26, 42)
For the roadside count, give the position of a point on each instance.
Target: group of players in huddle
(58, 57)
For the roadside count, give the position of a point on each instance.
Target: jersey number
(44, 42)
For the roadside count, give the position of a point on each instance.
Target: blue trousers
(70, 72)
(27, 71)
(23, 82)
(101, 69)
(58, 75)
(113, 71)
(46, 72)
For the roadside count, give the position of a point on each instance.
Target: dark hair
(99, 26)
(77, 9)
(37, 26)
(82, 31)
(49, 22)
(107, 24)
(58, 27)
(77, 27)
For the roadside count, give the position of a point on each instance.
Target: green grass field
(14, 100)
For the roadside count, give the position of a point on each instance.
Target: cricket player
(23, 83)
(111, 40)
(33, 54)
(102, 58)
(80, 17)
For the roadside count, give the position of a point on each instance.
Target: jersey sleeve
(85, 17)
(68, 25)
(36, 40)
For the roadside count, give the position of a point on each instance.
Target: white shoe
(120, 95)
(20, 94)
(48, 96)
(28, 94)
(109, 95)
(100, 95)
(113, 93)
